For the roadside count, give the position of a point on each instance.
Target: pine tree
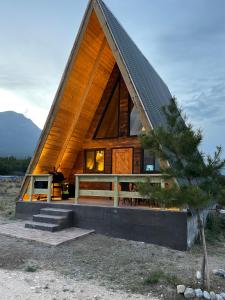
(195, 178)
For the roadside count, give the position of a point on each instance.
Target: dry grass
(8, 193)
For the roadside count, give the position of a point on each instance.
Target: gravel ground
(110, 265)
(49, 285)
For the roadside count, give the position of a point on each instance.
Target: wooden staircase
(51, 219)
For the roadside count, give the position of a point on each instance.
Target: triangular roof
(152, 91)
(101, 42)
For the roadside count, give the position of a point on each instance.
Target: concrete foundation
(166, 228)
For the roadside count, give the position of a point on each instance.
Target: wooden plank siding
(86, 91)
(83, 90)
(123, 141)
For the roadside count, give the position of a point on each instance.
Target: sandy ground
(96, 265)
(49, 285)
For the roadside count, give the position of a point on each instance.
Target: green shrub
(30, 268)
(159, 276)
(215, 228)
(154, 277)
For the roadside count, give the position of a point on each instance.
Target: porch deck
(103, 202)
(112, 195)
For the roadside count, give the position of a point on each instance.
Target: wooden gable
(82, 91)
(92, 59)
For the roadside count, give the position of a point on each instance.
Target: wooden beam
(116, 191)
(56, 102)
(123, 69)
(82, 100)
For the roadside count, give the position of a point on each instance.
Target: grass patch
(215, 228)
(7, 206)
(159, 276)
(30, 268)
(154, 277)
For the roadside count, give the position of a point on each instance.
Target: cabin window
(109, 124)
(95, 161)
(148, 161)
(136, 127)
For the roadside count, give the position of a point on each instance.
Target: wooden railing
(115, 179)
(32, 190)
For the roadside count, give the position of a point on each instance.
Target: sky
(183, 40)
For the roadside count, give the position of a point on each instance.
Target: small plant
(154, 277)
(30, 268)
(172, 279)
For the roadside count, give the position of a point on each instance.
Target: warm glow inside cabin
(89, 153)
(109, 94)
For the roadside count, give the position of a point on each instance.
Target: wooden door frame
(117, 148)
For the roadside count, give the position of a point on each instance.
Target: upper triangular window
(136, 126)
(109, 124)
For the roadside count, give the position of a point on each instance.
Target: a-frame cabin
(108, 95)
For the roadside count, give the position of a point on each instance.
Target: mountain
(18, 135)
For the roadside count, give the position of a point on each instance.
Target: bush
(30, 268)
(158, 276)
(154, 277)
(215, 228)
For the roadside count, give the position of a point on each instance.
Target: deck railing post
(31, 187)
(49, 188)
(76, 188)
(162, 184)
(116, 191)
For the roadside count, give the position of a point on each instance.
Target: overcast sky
(183, 40)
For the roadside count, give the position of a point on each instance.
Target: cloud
(11, 101)
(207, 104)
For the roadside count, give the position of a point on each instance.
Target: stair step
(44, 226)
(56, 211)
(44, 218)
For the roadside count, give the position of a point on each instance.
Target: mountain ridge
(18, 135)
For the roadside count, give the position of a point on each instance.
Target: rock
(213, 296)
(222, 295)
(206, 295)
(198, 275)
(180, 289)
(198, 293)
(189, 293)
(219, 272)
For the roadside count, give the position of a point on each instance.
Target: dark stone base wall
(165, 228)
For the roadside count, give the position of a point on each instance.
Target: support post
(162, 184)
(31, 187)
(116, 191)
(77, 182)
(49, 188)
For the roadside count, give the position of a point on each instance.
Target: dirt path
(48, 285)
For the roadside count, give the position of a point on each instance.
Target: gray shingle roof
(153, 92)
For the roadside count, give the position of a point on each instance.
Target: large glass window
(148, 161)
(136, 127)
(109, 125)
(95, 161)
